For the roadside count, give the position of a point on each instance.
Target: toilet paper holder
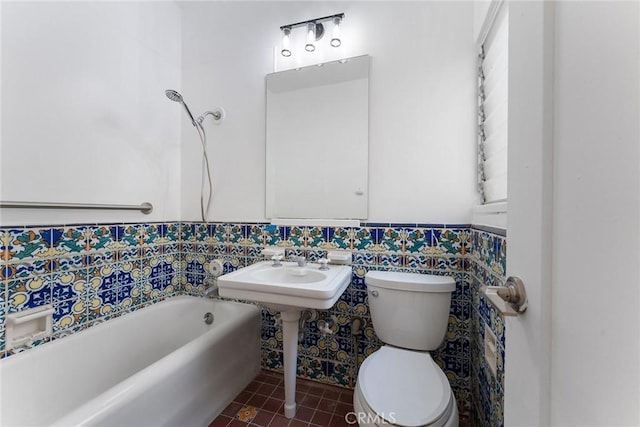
(510, 299)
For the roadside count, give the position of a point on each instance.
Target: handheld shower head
(173, 95)
(218, 115)
(176, 97)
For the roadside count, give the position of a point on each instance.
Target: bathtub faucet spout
(212, 290)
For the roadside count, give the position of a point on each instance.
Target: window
(492, 110)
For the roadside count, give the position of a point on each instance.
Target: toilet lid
(405, 387)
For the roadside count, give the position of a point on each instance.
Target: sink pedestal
(290, 320)
(287, 289)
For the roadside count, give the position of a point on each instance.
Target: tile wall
(88, 273)
(91, 273)
(335, 358)
(488, 268)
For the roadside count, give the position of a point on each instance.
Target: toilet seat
(404, 387)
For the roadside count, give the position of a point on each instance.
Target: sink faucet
(302, 262)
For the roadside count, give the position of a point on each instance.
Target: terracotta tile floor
(261, 404)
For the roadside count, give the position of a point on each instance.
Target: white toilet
(400, 385)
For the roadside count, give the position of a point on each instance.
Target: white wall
(596, 282)
(422, 102)
(84, 116)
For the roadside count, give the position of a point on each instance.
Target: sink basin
(287, 285)
(290, 275)
(288, 289)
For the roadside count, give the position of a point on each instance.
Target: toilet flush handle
(374, 294)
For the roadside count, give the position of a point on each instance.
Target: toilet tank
(409, 310)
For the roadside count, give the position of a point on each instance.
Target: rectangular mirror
(317, 141)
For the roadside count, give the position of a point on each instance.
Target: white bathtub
(158, 366)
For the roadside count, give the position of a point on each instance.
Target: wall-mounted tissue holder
(510, 299)
(27, 326)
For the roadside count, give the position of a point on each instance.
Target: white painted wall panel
(422, 102)
(84, 116)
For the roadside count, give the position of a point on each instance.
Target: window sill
(490, 215)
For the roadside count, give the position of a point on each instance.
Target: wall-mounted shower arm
(217, 114)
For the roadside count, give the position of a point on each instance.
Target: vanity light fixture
(286, 33)
(335, 36)
(314, 31)
(311, 37)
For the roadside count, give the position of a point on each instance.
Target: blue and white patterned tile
(458, 347)
(272, 359)
(253, 251)
(70, 239)
(170, 232)
(101, 237)
(314, 255)
(199, 232)
(21, 243)
(220, 233)
(25, 269)
(315, 369)
(415, 261)
(68, 314)
(390, 239)
(365, 258)
(129, 235)
(313, 344)
(29, 293)
(362, 239)
(67, 285)
(416, 240)
(460, 309)
(274, 235)
(128, 296)
(340, 238)
(235, 234)
(339, 374)
(390, 259)
(236, 250)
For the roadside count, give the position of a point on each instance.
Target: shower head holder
(218, 115)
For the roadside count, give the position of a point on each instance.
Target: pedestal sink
(289, 289)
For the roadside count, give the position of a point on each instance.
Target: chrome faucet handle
(323, 264)
(276, 261)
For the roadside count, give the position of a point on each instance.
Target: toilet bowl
(398, 387)
(400, 384)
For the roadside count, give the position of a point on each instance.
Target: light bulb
(311, 37)
(286, 32)
(335, 36)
